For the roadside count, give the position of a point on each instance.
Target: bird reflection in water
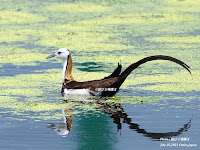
(117, 113)
(66, 125)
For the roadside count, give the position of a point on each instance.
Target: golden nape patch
(68, 73)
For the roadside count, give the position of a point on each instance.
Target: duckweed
(20, 92)
(79, 7)
(9, 17)
(183, 6)
(177, 39)
(102, 32)
(22, 59)
(140, 19)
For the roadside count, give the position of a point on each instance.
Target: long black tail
(127, 71)
(122, 77)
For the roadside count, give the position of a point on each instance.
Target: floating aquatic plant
(102, 32)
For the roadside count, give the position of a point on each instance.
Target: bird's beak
(53, 55)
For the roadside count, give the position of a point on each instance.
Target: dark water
(139, 120)
(101, 124)
(96, 123)
(113, 126)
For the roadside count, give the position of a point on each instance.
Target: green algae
(177, 82)
(100, 32)
(109, 59)
(82, 41)
(79, 7)
(29, 80)
(16, 107)
(177, 39)
(183, 6)
(12, 35)
(22, 92)
(140, 19)
(10, 50)
(43, 110)
(72, 29)
(23, 59)
(9, 17)
(132, 99)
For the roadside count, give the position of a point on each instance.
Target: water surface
(157, 107)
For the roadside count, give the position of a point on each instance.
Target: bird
(106, 87)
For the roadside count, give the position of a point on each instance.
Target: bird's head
(62, 54)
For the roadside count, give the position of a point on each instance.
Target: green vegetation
(13, 17)
(103, 32)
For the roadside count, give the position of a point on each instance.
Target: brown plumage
(115, 80)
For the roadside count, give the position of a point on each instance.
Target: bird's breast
(77, 92)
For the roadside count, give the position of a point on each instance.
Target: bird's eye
(59, 53)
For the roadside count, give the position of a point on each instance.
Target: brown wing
(92, 85)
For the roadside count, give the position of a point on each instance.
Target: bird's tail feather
(127, 71)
